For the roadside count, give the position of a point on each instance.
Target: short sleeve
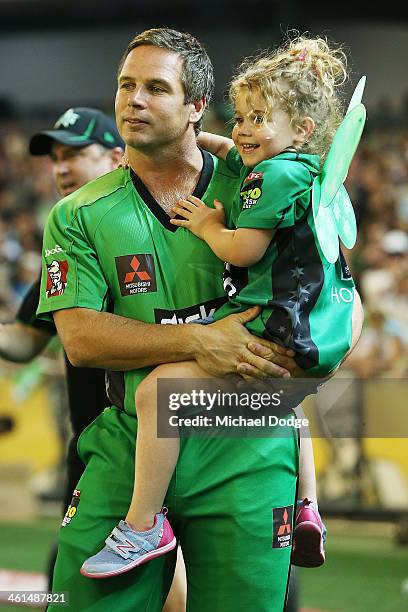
(234, 161)
(269, 194)
(71, 273)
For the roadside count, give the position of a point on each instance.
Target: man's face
(75, 166)
(150, 107)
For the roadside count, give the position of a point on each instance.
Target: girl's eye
(258, 119)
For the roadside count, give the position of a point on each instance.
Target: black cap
(78, 127)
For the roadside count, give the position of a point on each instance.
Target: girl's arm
(241, 247)
(217, 145)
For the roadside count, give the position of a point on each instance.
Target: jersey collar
(154, 206)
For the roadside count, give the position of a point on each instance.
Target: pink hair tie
(302, 56)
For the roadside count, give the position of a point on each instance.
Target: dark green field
(364, 569)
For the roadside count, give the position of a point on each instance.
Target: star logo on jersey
(282, 527)
(136, 273)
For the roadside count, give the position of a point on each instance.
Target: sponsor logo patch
(72, 508)
(57, 272)
(57, 249)
(251, 189)
(188, 315)
(136, 273)
(282, 527)
(252, 176)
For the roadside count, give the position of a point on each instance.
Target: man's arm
(21, 343)
(105, 340)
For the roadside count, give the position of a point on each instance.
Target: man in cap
(83, 145)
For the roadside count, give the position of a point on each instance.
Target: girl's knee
(147, 389)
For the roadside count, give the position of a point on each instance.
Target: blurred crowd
(377, 183)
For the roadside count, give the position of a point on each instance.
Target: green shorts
(231, 504)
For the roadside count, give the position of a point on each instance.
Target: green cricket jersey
(110, 246)
(307, 301)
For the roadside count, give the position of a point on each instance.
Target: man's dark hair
(197, 73)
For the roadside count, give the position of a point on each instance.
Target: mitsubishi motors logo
(136, 273)
(285, 527)
(282, 527)
(141, 274)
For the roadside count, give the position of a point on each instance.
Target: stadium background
(57, 55)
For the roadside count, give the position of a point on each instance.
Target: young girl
(286, 113)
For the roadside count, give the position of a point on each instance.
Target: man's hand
(272, 352)
(226, 346)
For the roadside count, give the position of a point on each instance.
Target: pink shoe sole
(308, 545)
(147, 557)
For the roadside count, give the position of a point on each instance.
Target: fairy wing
(332, 209)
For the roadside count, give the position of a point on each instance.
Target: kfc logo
(57, 278)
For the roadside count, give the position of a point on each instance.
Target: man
(83, 145)
(129, 269)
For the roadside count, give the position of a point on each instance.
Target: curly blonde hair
(302, 78)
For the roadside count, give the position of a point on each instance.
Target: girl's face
(257, 138)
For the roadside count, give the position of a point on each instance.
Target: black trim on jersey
(86, 395)
(154, 206)
(301, 277)
(114, 380)
(27, 312)
(115, 388)
(345, 270)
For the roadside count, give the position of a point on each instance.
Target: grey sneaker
(125, 548)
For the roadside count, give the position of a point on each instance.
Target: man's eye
(238, 120)
(156, 89)
(126, 86)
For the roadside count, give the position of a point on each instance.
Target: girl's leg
(309, 531)
(177, 598)
(156, 458)
(146, 533)
(307, 474)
